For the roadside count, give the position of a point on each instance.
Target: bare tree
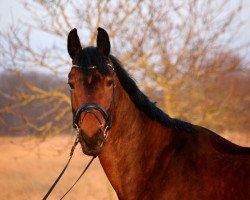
(164, 43)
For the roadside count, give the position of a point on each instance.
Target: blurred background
(191, 57)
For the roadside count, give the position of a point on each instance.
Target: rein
(89, 107)
(64, 169)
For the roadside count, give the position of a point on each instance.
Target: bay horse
(144, 152)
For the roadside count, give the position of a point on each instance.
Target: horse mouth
(91, 146)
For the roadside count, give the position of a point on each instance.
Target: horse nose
(90, 123)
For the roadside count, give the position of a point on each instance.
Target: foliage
(175, 49)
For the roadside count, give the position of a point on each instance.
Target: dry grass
(28, 167)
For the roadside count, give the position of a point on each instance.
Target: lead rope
(62, 172)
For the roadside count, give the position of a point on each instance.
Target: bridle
(89, 107)
(92, 107)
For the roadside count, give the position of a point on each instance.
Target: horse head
(91, 81)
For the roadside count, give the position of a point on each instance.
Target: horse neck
(130, 151)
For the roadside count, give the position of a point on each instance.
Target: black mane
(90, 57)
(143, 103)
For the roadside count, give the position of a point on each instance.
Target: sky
(12, 10)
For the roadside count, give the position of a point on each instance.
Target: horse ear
(74, 45)
(103, 44)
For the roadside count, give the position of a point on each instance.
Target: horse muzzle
(92, 145)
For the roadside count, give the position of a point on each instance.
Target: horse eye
(110, 83)
(71, 85)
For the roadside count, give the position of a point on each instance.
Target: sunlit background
(191, 57)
